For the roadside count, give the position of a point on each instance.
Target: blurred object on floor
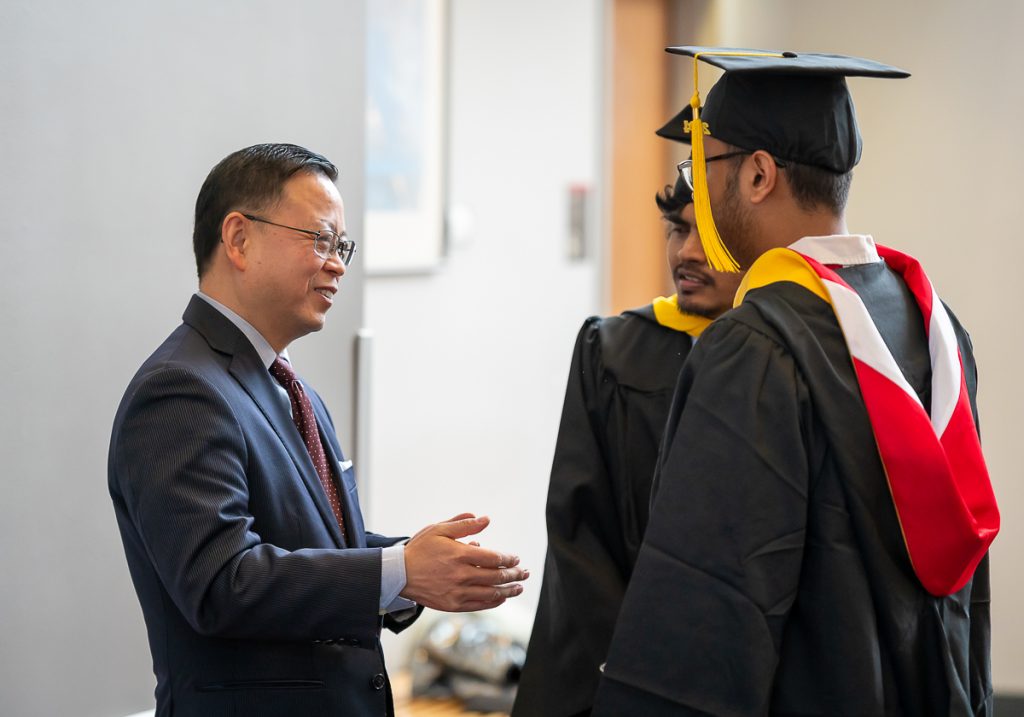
(406, 706)
(471, 657)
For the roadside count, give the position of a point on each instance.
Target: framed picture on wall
(405, 178)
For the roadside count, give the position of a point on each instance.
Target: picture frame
(405, 129)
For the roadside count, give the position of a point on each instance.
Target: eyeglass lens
(328, 241)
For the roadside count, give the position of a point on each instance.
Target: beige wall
(940, 178)
(111, 115)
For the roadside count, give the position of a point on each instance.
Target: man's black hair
(249, 180)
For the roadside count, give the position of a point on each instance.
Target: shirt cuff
(392, 580)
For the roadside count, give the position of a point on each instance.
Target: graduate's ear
(764, 177)
(235, 233)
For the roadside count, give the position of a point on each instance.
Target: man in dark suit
(261, 589)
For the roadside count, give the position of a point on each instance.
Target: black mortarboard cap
(794, 105)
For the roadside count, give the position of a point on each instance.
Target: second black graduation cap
(794, 105)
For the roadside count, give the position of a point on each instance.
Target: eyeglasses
(686, 166)
(325, 241)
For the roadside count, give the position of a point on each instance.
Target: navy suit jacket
(254, 602)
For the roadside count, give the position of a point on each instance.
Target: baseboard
(1009, 705)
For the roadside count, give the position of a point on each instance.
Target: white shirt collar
(262, 346)
(841, 249)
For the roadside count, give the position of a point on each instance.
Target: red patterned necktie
(305, 421)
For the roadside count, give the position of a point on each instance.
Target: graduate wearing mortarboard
(821, 512)
(623, 372)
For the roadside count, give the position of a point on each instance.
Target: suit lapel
(247, 368)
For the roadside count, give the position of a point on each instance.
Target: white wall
(111, 115)
(470, 362)
(940, 178)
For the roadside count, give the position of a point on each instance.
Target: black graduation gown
(773, 578)
(623, 373)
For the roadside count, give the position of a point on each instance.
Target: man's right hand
(445, 574)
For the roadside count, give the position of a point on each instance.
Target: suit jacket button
(378, 682)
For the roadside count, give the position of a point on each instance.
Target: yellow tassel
(718, 255)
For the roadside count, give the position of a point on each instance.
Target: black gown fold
(624, 369)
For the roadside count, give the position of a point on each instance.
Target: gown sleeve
(584, 576)
(702, 620)
(980, 677)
